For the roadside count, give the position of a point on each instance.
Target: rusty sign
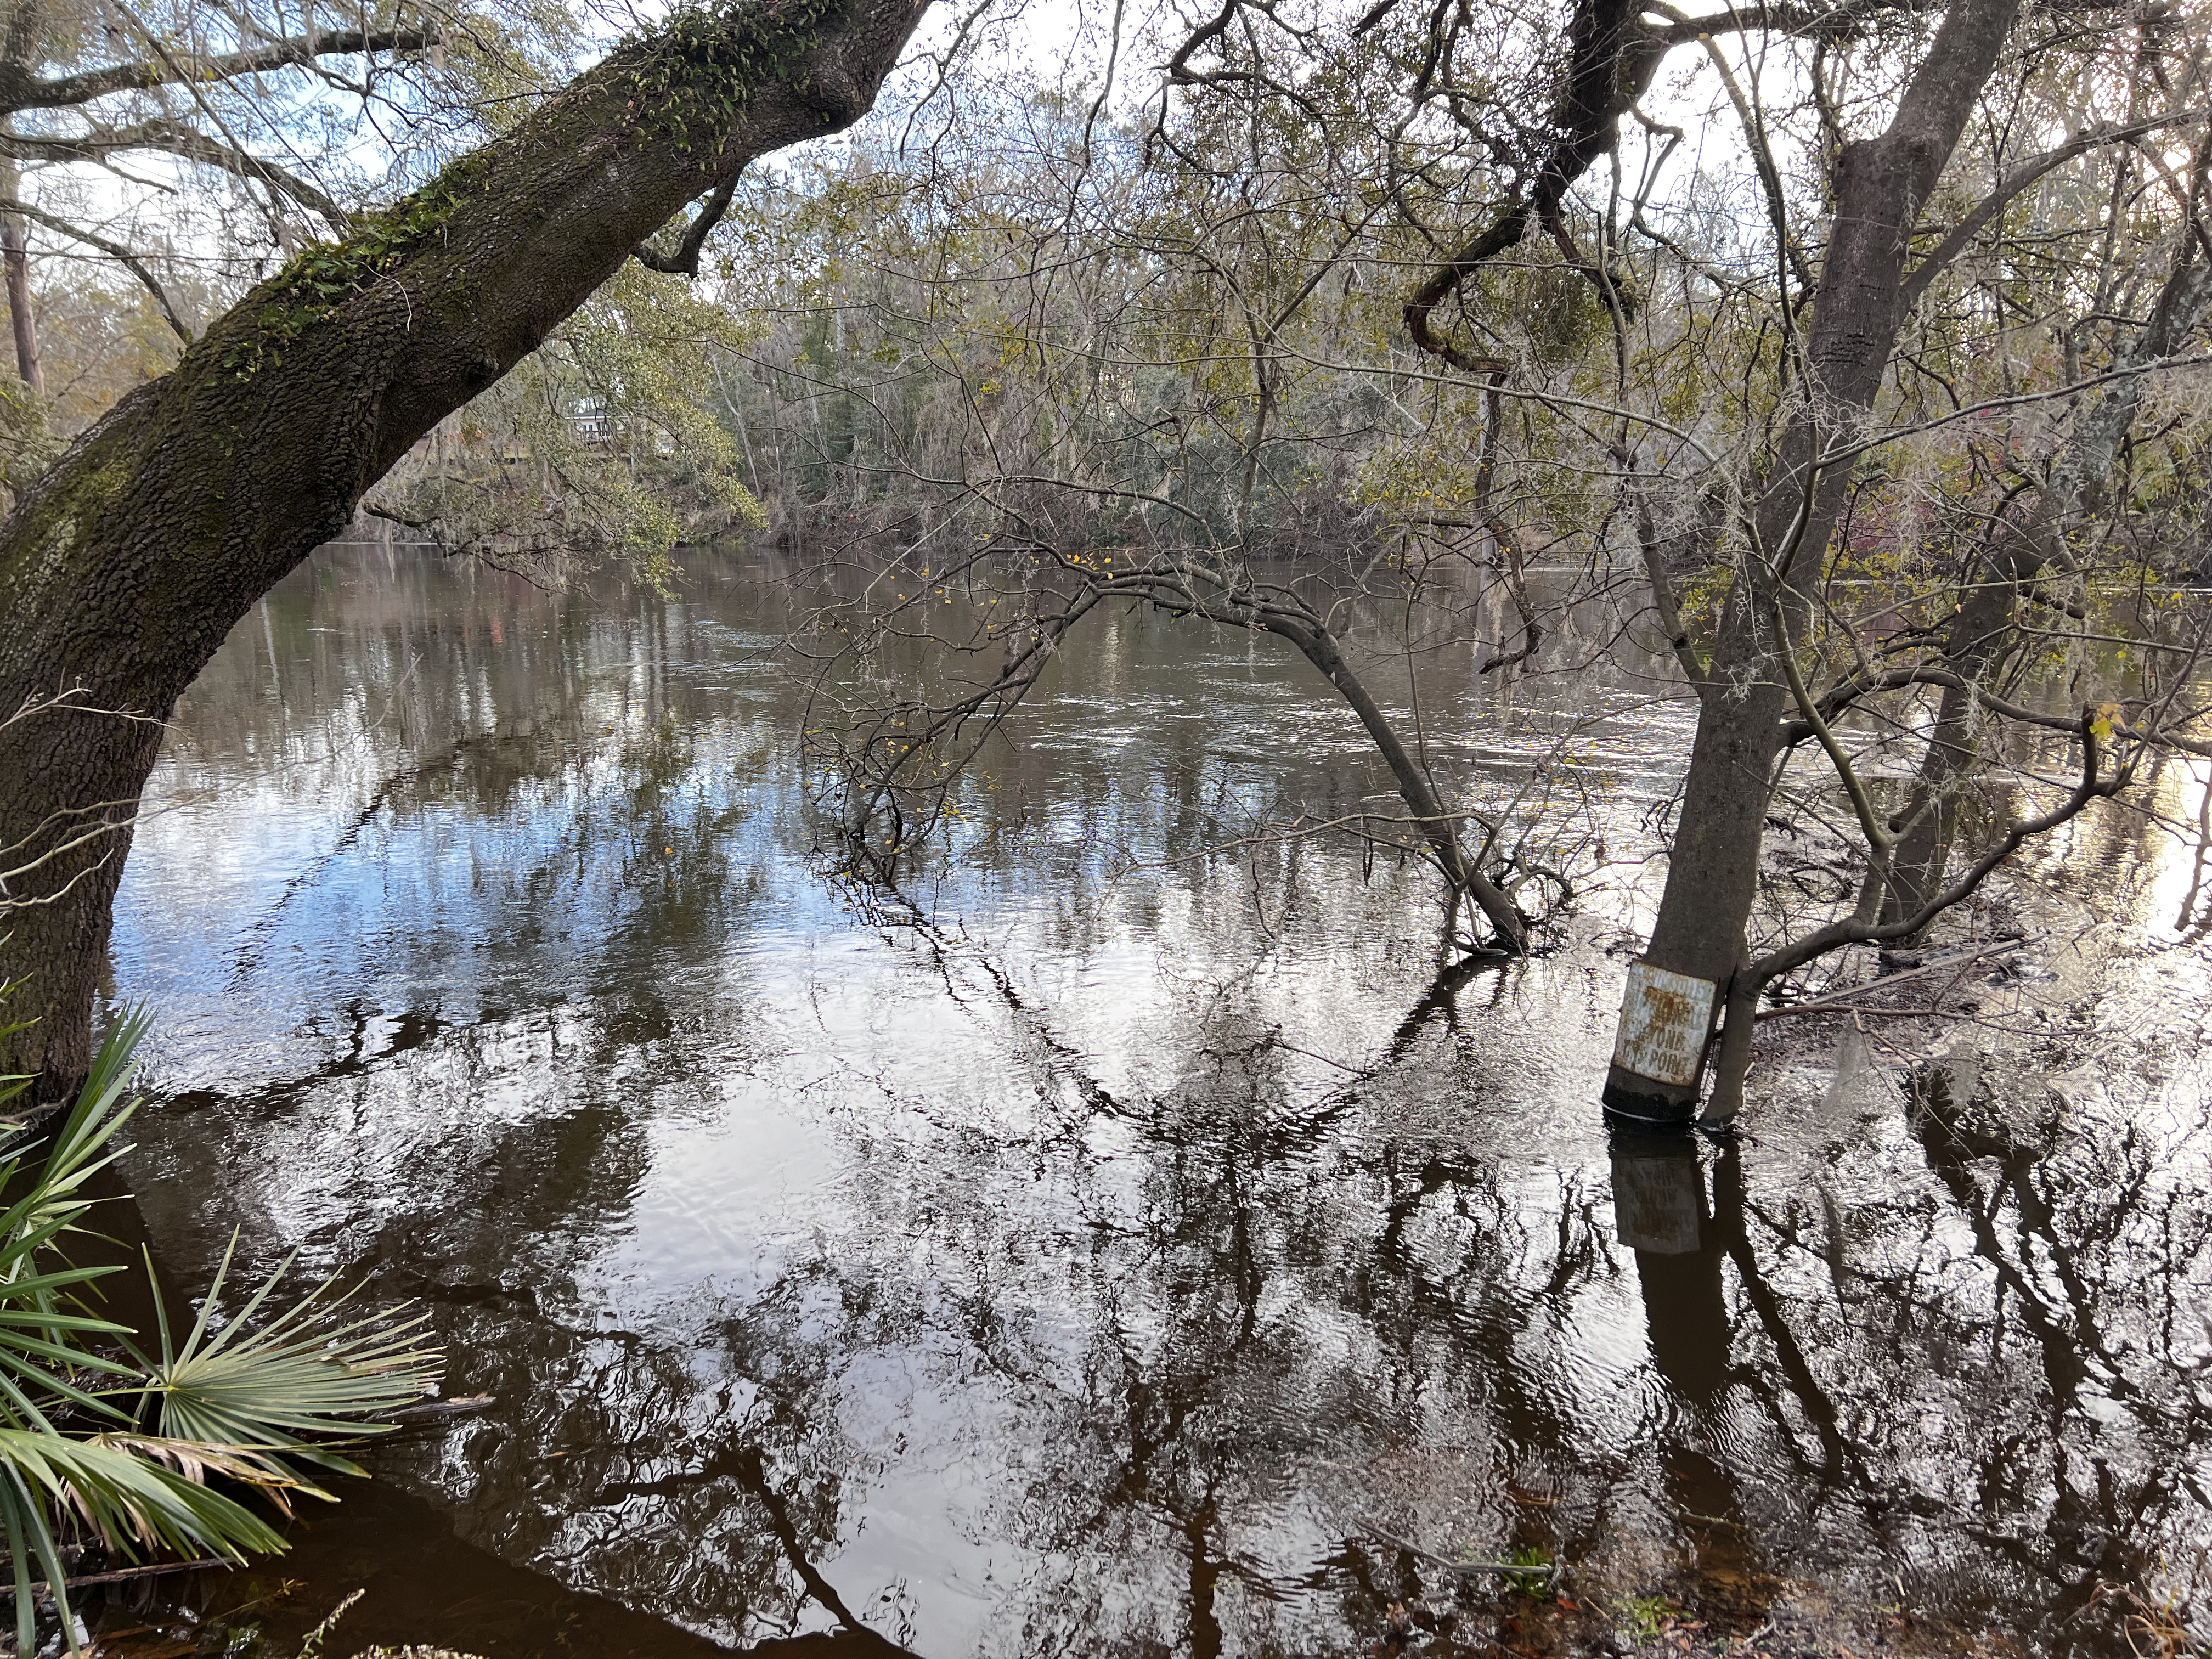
(1665, 1019)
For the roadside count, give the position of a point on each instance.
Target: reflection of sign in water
(1664, 1020)
(1658, 1197)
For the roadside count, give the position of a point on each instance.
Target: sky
(1057, 43)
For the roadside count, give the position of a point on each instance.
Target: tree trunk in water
(14, 248)
(1983, 635)
(1980, 639)
(1712, 873)
(124, 567)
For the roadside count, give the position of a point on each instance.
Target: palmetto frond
(47, 1362)
(241, 1401)
(136, 1491)
(313, 1370)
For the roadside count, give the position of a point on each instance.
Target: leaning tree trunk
(1438, 826)
(124, 567)
(1712, 872)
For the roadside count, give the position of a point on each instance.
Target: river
(1101, 1247)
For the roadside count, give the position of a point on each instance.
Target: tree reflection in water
(1127, 1278)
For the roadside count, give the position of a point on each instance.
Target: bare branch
(20, 92)
(1843, 1001)
(173, 138)
(115, 251)
(1831, 22)
(1850, 931)
(684, 262)
(2020, 178)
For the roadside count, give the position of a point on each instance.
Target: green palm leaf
(314, 1370)
(241, 1402)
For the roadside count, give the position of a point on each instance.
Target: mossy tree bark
(124, 567)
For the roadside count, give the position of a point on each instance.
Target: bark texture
(124, 567)
(1858, 307)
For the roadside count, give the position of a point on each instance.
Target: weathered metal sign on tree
(1659, 1051)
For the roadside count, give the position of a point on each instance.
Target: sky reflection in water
(1070, 1257)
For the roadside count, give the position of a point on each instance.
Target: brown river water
(1098, 1248)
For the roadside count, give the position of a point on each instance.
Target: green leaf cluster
(600, 447)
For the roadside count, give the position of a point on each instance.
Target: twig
(119, 1575)
(435, 1410)
(1839, 999)
(1551, 1571)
